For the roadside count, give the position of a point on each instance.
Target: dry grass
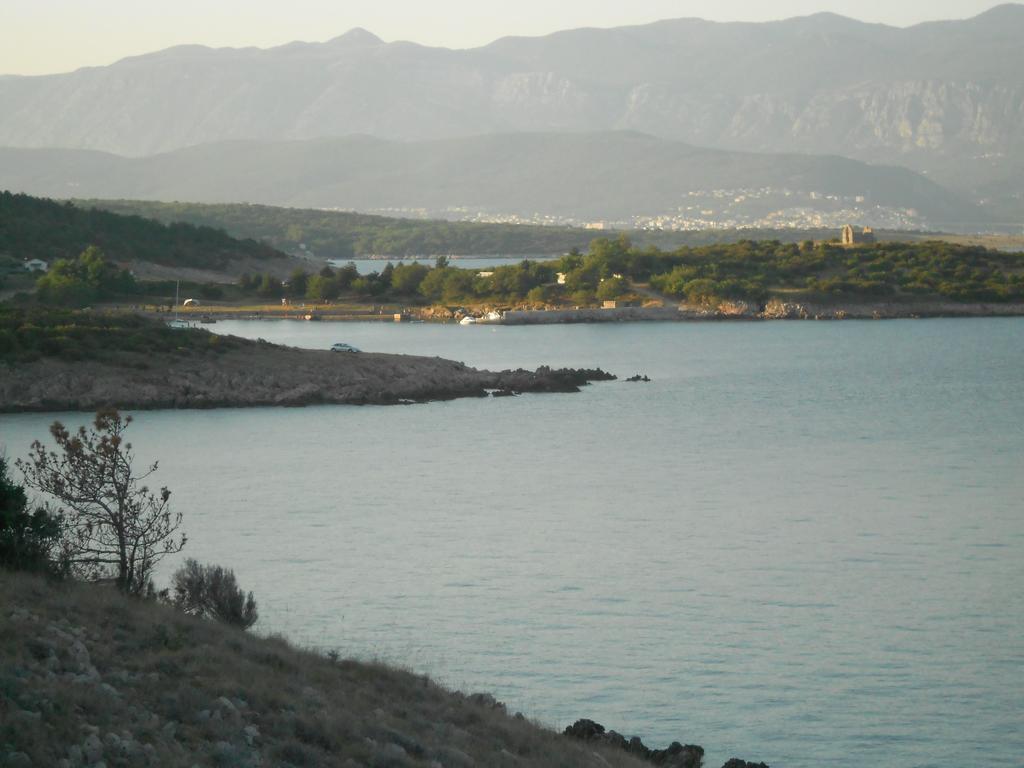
(156, 687)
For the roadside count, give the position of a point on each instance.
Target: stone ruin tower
(853, 237)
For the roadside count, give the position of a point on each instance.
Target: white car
(342, 347)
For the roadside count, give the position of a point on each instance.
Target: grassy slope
(157, 687)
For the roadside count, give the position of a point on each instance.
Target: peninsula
(59, 360)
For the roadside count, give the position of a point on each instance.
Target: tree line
(32, 227)
(748, 270)
(340, 235)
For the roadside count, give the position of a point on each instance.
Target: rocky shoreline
(261, 374)
(98, 679)
(772, 310)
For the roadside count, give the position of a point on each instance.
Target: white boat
(467, 320)
(177, 323)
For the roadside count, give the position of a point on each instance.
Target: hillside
(31, 228)
(943, 97)
(345, 235)
(613, 175)
(90, 675)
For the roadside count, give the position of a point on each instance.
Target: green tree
(84, 279)
(113, 525)
(406, 278)
(270, 287)
(701, 291)
(432, 285)
(29, 541)
(458, 286)
(346, 275)
(539, 295)
(320, 288)
(297, 282)
(612, 288)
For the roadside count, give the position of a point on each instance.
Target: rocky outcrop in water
(676, 754)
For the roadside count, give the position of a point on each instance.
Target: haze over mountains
(566, 175)
(945, 99)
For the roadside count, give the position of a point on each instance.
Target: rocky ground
(90, 678)
(258, 374)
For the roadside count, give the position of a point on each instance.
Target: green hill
(37, 228)
(346, 235)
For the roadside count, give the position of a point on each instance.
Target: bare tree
(112, 525)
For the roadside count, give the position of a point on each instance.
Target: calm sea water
(801, 543)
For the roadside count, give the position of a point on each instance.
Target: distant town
(745, 208)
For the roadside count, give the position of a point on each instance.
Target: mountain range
(945, 99)
(605, 176)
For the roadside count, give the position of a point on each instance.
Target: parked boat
(177, 323)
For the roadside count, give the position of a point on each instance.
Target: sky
(46, 36)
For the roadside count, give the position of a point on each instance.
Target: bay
(801, 543)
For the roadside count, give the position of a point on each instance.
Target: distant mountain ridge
(946, 97)
(611, 175)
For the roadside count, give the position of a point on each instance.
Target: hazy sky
(42, 36)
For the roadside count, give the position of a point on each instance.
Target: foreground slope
(89, 675)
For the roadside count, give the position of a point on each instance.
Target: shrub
(612, 288)
(212, 591)
(28, 540)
